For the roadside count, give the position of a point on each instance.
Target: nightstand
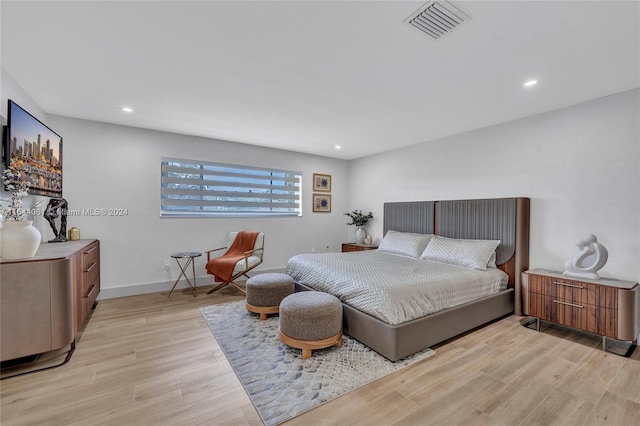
(358, 247)
(607, 307)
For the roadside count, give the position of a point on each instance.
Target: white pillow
(473, 254)
(404, 243)
(492, 261)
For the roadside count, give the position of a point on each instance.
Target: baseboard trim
(157, 287)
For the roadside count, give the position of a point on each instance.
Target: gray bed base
(395, 342)
(505, 219)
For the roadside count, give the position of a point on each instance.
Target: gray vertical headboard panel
(410, 216)
(493, 219)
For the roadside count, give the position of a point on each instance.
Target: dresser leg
(529, 323)
(618, 347)
(72, 349)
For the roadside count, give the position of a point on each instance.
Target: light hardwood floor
(151, 360)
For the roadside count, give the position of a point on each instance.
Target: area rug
(279, 382)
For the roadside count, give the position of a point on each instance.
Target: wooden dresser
(358, 247)
(46, 299)
(610, 308)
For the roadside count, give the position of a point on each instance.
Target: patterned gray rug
(280, 383)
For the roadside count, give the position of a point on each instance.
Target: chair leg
(239, 288)
(218, 287)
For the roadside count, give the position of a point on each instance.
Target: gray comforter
(392, 288)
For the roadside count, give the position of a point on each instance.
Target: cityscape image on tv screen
(35, 151)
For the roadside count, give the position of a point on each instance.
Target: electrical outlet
(167, 264)
(313, 249)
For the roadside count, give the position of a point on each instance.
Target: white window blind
(198, 188)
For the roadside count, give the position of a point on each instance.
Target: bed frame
(504, 219)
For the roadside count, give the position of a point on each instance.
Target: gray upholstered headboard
(481, 220)
(504, 219)
(410, 216)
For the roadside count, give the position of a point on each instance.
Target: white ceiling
(306, 76)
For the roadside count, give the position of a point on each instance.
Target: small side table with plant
(360, 220)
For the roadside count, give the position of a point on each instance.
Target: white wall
(12, 90)
(110, 166)
(580, 166)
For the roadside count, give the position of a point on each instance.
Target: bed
(410, 321)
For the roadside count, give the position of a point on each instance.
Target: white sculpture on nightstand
(590, 258)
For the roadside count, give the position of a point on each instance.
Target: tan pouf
(266, 291)
(311, 320)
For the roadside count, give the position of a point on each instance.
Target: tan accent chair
(252, 258)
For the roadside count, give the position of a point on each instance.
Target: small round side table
(190, 256)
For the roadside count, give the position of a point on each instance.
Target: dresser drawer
(90, 255)
(91, 294)
(90, 274)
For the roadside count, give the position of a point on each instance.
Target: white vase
(361, 234)
(19, 240)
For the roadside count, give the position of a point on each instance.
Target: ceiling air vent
(437, 19)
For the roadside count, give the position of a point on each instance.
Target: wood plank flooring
(152, 360)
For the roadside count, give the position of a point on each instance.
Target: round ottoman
(266, 291)
(310, 320)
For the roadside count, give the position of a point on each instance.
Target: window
(198, 188)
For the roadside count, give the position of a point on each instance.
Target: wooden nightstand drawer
(608, 323)
(575, 292)
(608, 297)
(539, 284)
(347, 247)
(582, 317)
(541, 306)
(567, 290)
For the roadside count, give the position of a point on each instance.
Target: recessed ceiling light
(127, 109)
(531, 83)
(338, 147)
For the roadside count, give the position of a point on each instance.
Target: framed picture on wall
(321, 183)
(321, 203)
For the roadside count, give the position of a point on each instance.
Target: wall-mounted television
(35, 151)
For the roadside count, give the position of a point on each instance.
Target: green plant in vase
(360, 220)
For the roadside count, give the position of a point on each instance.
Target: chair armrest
(211, 251)
(249, 253)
